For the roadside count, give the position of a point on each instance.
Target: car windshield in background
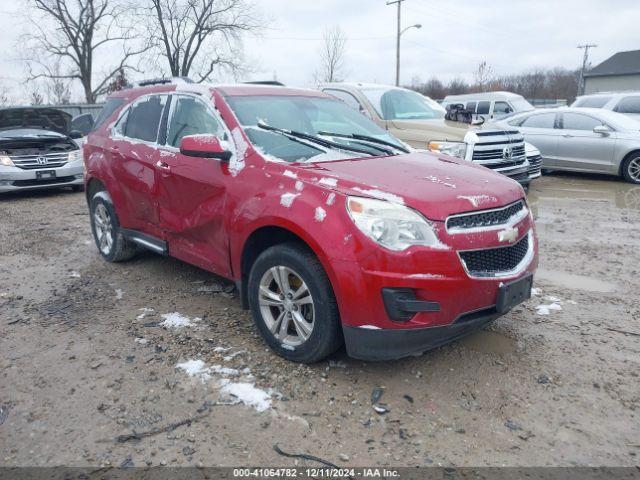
(308, 115)
(399, 104)
(521, 105)
(592, 102)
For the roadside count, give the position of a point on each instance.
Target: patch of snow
(290, 174)
(141, 341)
(536, 291)
(146, 312)
(477, 200)
(221, 349)
(547, 309)
(380, 195)
(329, 182)
(195, 368)
(228, 358)
(435, 179)
(248, 394)
(299, 186)
(119, 294)
(237, 160)
(331, 199)
(167, 153)
(320, 214)
(425, 276)
(176, 320)
(286, 199)
(74, 274)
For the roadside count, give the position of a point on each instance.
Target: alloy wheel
(634, 169)
(104, 228)
(286, 305)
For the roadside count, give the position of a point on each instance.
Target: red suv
(333, 230)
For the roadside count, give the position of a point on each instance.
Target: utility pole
(399, 3)
(585, 59)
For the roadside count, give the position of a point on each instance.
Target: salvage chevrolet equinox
(333, 230)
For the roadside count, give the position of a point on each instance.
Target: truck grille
(495, 261)
(535, 166)
(45, 160)
(487, 218)
(500, 149)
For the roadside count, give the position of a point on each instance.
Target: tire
(113, 246)
(298, 268)
(631, 168)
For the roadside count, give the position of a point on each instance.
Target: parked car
(583, 140)
(420, 122)
(627, 103)
(38, 150)
(330, 228)
(490, 105)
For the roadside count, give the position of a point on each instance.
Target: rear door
(192, 190)
(540, 130)
(581, 148)
(134, 151)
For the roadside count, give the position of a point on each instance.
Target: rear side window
(483, 108)
(629, 105)
(592, 102)
(471, 106)
(191, 117)
(575, 121)
(110, 106)
(144, 117)
(545, 120)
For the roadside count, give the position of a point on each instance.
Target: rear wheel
(293, 304)
(111, 243)
(631, 168)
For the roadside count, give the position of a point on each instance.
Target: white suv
(627, 103)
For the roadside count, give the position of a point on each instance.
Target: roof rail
(163, 81)
(274, 83)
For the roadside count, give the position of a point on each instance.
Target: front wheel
(293, 304)
(631, 168)
(111, 243)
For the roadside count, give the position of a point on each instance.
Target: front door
(581, 148)
(192, 190)
(539, 130)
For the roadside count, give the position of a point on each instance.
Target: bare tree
(332, 56)
(58, 88)
(201, 37)
(5, 99)
(482, 76)
(75, 33)
(35, 97)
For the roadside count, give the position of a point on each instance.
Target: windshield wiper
(313, 139)
(367, 138)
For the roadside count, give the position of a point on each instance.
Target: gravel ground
(88, 378)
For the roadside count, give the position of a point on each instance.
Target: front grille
(535, 165)
(495, 261)
(499, 149)
(45, 160)
(485, 219)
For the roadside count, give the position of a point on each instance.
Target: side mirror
(204, 146)
(601, 130)
(75, 134)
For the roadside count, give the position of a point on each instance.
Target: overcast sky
(511, 35)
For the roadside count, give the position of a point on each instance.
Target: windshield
(309, 115)
(521, 105)
(591, 102)
(400, 104)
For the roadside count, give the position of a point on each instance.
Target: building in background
(618, 73)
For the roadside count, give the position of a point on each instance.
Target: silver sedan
(583, 140)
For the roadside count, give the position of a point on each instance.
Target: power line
(585, 59)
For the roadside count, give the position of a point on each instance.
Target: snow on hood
(435, 185)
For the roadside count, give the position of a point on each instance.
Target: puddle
(575, 282)
(486, 341)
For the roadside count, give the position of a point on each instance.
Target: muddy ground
(79, 369)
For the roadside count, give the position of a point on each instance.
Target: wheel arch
(628, 155)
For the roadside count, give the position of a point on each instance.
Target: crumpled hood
(435, 185)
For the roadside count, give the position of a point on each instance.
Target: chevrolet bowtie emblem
(508, 235)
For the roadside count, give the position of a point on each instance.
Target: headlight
(74, 155)
(6, 161)
(455, 149)
(393, 226)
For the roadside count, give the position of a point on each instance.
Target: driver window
(191, 117)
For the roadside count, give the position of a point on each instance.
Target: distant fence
(76, 109)
(547, 102)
